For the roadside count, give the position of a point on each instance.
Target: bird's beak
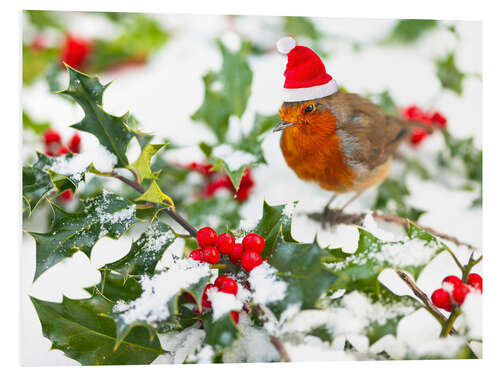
(282, 125)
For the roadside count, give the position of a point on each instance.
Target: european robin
(339, 140)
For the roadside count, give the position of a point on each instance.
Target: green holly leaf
(301, 26)
(236, 78)
(322, 332)
(233, 161)
(80, 329)
(262, 124)
(275, 220)
(142, 137)
(143, 162)
(43, 19)
(449, 75)
(410, 30)
(145, 252)
(115, 288)
(225, 212)
(37, 127)
(300, 266)
(155, 195)
(36, 62)
(107, 214)
(221, 333)
(395, 191)
(111, 131)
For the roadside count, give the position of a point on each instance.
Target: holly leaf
(225, 212)
(145, 252)
(221, 333)
(80, 329)
(106, 214)
(155, 195)
(300, 266)
(233, 161)
(410, 30)
(449, 75)
(143, 162)
(37, 127)
(115, 288)
(111, 131)
(36, 62)
(275, 220)
(394, 191)
(322, 332)
(301, 26)
(262, 124)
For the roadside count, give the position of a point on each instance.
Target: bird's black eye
(309, 108)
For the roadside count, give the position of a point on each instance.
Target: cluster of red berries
(223, 284)
(453, 291)
(75, 51)
(432, 119)
(54, 147)
(216, 182)
(246, 254)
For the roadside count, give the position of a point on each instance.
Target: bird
(339, 140)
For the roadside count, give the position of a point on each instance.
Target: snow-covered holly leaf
(300, 267)
(275, 220)
(143, 162)
(220, 333)
(46, 174)
(80, 329)
(111, 131)
(391, 197)
(360, 270)
(322, 332)
(115, 288)
(107, 214)
(449, 75)
(233, 161)
(410, 30)
(145, 252)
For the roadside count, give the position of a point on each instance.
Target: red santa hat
(305, 74)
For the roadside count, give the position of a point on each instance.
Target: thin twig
(425, 300)
(274, 339)
(335, 217)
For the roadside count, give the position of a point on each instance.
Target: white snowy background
(165, 92)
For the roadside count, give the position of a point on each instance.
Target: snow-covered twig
(274, 339)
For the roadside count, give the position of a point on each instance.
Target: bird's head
(306, 117)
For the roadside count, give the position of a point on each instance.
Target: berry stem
(448, 326)
(170, 212)
(468, 267)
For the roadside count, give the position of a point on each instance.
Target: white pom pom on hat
(285, 44)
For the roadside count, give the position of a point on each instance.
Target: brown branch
(429, 306)
(274, 339)
(170, 212)
(335, 217)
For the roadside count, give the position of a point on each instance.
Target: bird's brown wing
(368, 135)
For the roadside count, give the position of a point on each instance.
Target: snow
(442, 347)
(472, 309)
(151, 306)
(180, 345)
(76, 165)
(266, 287)
(235, 159)
(223, 303)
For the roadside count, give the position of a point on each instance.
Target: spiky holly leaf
(111, 131)
(234, 161)
(39, 178)
(360, 270)
(142, 137)
(215, 109)
(449, 75)
(145, 252)
(155, 195)
(220, 333)
(300, 266)
(106, 214)
(225, 212)
(275, 220)
(79, 329)
(391, 197)
(114, 287)
(410, 30)
(143, 162)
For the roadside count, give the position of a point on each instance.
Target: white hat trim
(309, 93)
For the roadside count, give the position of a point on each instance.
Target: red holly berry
(226, 285)
(74, 143)
(413, 112)
(225, 243)
(475, 281)
(197, 255)
(417, 136)
(242, 194)
(213, 186)
(253, 242)
(235, 255)
(51, 136)
(439, 120)
(441, 298)
(205, 302)
(236, 316)
(250, 260)
(63, 150)
(211, 255)
(66, 195)
(75, 51)
(453, 280)
(459, 294)
(206, 237)
(202, 168)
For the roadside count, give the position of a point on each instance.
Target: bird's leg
(324, 216)
(353, 198)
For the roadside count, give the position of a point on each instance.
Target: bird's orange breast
(314, 152)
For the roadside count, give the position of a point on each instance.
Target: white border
(308, 93)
